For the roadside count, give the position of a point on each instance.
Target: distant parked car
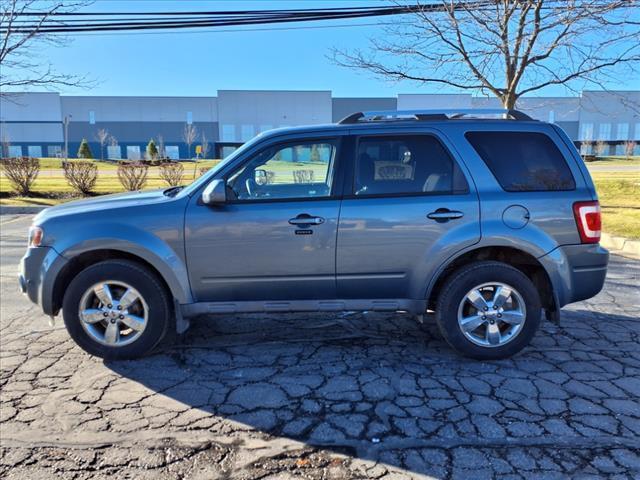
(486, 221)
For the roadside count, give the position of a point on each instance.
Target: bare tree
(189, 136)
(601, 148)
(21, 41)
(629, 148)
(506, 48)
(102, 136)
(204, 145)
(6, 142)
(162, 152)
(586, 147)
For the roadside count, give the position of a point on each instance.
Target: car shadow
(379, 387)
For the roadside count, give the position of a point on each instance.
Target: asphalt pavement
(322, 396)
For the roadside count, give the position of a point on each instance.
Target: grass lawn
(616, 161)
(619, 194)
(48, 163)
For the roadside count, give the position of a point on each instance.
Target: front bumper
(39, 269)
(577, 272)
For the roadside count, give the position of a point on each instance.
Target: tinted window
(292, 170)
(406, 164)
(523, 161)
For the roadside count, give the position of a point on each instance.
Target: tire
(454, 308)
(95, 329)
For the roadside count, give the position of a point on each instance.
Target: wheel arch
(517, 258)
(82, 260)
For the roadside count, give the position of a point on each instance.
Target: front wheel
(488, 310)
(116, 309)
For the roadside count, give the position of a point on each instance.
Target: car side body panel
(151, 229)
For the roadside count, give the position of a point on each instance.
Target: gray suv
(488, 218)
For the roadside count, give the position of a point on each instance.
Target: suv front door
(275, 237)
(410, 208)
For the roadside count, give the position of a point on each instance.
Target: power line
(239, 30)
(173, 20)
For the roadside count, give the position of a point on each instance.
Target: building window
(189, 118)
(246, 133)
(92, 117)
(265, 128)
(552, 116)
(133, 152)
(114, 151)
(228, 133)
(586, 132)
(34, 151)
(623, 131)
(15, 150)
(637, 135)
(605, 131)
(54, 151)
(228, 150)
(172, 151)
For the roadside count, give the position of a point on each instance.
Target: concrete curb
(19, 210)
(621, 244)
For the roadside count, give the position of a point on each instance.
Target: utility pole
(66, 136)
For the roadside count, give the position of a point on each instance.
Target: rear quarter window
(523, 161)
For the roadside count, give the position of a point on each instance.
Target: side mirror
(215, 193)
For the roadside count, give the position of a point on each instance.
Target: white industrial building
(34, 124)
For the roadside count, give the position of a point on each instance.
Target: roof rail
(425, 115)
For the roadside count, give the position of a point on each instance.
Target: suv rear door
(409, 204)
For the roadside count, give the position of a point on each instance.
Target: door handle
(305, 219)
(444, 215)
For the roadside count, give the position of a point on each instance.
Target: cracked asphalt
(322, 396)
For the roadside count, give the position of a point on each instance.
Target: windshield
(204, 179)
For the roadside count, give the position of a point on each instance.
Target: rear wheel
(488, 310)
(116, 309)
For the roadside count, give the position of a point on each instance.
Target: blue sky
(200, 63)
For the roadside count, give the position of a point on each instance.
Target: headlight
(35, 236)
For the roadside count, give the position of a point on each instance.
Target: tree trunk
(508, 101)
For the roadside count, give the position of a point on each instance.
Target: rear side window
(406, 165)
(523, 161)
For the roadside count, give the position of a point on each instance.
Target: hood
(117, 200)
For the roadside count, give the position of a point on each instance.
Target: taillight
(589, 221)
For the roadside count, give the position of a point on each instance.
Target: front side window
(292, 170)
(523, 161)
(406, 164)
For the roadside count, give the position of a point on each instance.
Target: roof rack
(425, 115)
